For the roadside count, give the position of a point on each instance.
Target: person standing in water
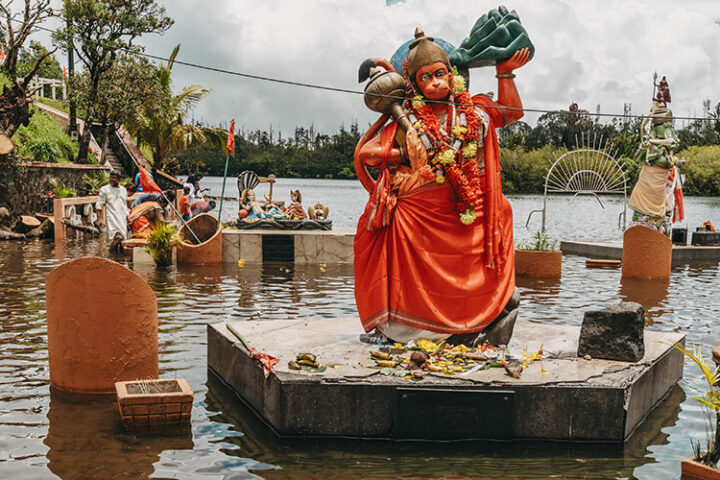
(113, 197)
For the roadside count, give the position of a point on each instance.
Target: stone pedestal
(562, 397)
(646, 253)
(706, 238)
(538, 263)
(298, 246)
(102, 326)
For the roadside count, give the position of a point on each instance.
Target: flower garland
(452, 148)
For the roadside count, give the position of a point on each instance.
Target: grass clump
(61, 190)
(161, 241)
(539, 242)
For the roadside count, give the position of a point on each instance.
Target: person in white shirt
(113, 197)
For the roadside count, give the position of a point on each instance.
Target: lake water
(46, 435)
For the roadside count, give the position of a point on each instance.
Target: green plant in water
(60, 189)
(711, 400)
(540, 242)
(94, 181)
(161, 241)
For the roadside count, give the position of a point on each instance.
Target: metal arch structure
(587, 170)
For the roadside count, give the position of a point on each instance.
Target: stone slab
(613, 251)
(310, 246)
(140, 256)
(577, 400)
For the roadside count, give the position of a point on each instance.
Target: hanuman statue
(434, 247)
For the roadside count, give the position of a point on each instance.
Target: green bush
(94, 181)
(161, 241)
(61, 190)
(702, 170)
(524, 172)
(44, 140)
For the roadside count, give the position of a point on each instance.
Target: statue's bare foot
(498, 332)
(374, 337)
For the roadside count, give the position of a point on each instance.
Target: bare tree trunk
(5, 235)
(14, 109)
(70, 80)
(105, 141)
(89, 118)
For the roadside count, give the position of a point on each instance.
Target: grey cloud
(584, 52)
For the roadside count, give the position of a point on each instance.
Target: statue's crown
(423, 51)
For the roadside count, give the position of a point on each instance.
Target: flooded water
(44, 434)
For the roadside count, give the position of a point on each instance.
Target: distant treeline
(526, 152)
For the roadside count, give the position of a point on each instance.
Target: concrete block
(614, 333)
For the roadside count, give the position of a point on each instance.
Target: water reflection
(651, 294)
(342, 458)
(86, 440)
(228, 442)
(541, 286)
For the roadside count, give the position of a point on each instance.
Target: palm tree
(162, 125)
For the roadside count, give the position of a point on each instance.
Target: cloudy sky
(591, 52)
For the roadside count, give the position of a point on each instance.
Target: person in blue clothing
(153, 197)
(136, 185)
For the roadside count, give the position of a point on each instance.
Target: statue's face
(434, 81)
(293, 197)
(251, 196)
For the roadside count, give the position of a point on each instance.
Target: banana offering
(414, 359)
(307, 362)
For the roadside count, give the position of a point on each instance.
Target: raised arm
(507, 91)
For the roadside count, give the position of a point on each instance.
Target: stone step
(113, 161)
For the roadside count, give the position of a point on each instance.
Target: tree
(162, 125)
(514, 135)
(50, 68)
(14, 104)
(124, 92)
(100, 29)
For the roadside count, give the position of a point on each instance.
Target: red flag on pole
(231, 138)
(64, 72)
(148, 184)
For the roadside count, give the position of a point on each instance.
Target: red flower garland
(463, 173)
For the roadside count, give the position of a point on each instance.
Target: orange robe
(416, 264)
(137, 220)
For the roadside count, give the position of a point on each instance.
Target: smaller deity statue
(318, 212)
(295, 210)
(256, 210)
(663, 95)
(651, 202)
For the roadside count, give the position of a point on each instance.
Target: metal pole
(222, 195)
